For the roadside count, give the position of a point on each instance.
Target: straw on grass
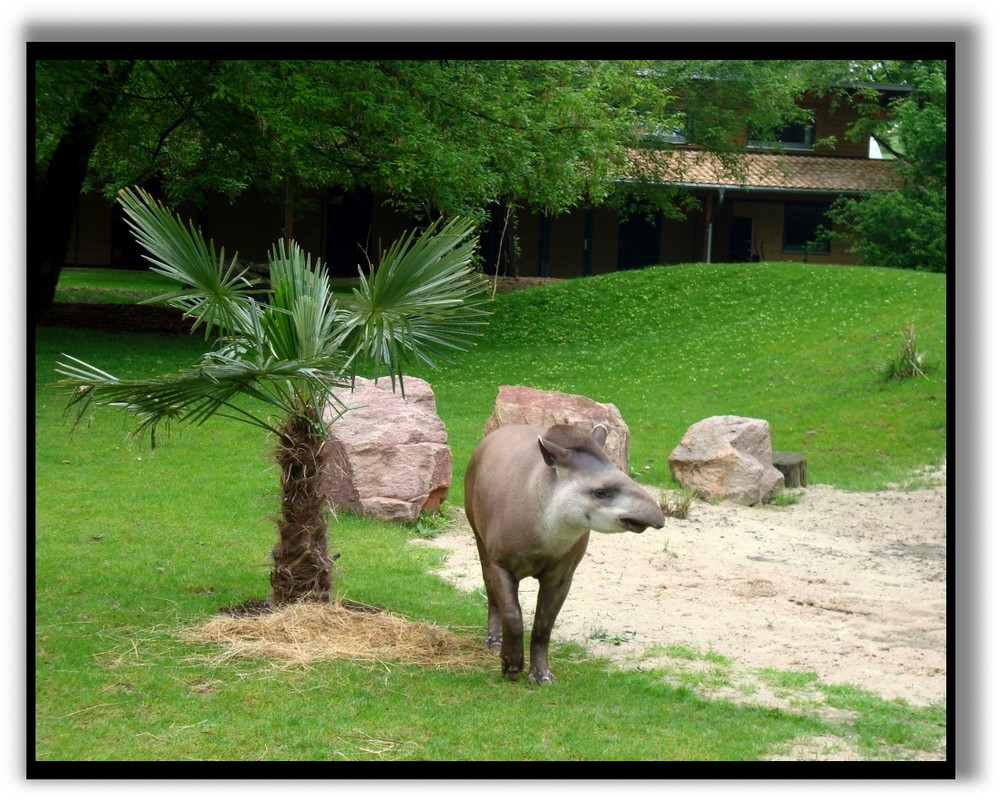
(306, 632)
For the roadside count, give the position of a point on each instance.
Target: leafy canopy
(437, 136)
(907, 228)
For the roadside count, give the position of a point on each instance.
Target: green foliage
(904, 229)
(907, 228)
(292, 349)
(407, 310)
(212, 292)
(454, 136)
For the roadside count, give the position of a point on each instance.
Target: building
(766, 205)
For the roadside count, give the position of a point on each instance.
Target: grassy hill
(798, 345)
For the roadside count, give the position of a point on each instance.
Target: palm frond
(213, 292)
(424, 300)
(292, 350)
(293, 388)
(301, 318)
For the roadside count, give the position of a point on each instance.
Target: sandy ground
(850, 586)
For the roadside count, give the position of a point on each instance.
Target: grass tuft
(908, 361)
(676, 504)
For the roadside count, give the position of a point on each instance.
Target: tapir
(533, 496)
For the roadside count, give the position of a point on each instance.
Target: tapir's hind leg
(494, 628)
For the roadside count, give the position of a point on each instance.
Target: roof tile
(784, 171)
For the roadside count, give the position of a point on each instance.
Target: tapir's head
(588, 491)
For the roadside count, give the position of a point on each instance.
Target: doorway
(348, 228)
(741, 239)
(638, 242)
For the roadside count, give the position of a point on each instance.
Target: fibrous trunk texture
(302, 564)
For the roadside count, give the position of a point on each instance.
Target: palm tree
(290, 347)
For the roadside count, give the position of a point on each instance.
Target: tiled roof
(767, 171)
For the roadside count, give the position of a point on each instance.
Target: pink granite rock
(388, 456)
(516, 404)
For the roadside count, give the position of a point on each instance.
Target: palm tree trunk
(302, 564)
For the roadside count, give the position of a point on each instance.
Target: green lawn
(109, 286)
(133, 545)
(117, 286)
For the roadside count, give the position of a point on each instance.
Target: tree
(436, 136)
(291, 352)
(907, 228)
(99, 85)
(452, 137)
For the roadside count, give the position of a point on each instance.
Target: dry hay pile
(306, 632)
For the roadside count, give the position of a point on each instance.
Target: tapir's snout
(644, 513)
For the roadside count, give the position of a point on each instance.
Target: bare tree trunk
(289, 231)
(302, 564)
(496, 241)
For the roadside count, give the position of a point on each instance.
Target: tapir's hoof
(493, 642)
(511, 668)
(541, 678)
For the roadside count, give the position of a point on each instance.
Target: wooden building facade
(768, 207)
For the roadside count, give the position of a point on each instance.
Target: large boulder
(516, 404)
(388, 456)
(727, 457)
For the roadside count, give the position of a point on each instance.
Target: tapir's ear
(600, 434)
(551, 452)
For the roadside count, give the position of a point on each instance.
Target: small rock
(727, 457)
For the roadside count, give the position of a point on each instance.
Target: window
(677, 134)
(807, 229)
(794, 136)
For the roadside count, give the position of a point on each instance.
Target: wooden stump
(793, 466)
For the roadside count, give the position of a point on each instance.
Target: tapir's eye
(601, 493)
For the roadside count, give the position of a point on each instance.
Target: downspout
(711, 220)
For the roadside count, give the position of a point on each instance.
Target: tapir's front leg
(553, 587)
(550, 600)
(505, 587)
